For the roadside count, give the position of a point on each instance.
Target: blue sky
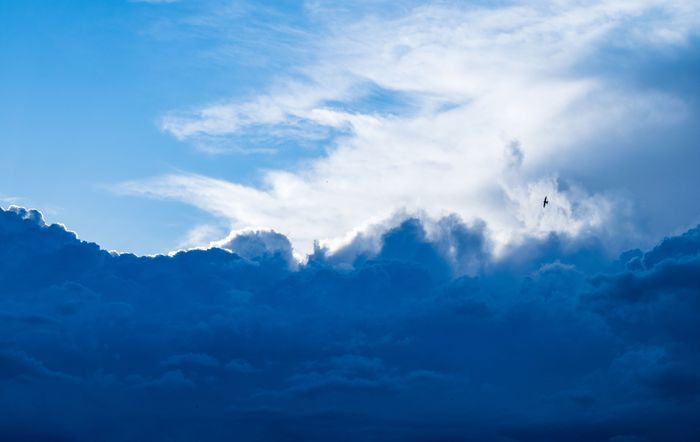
(329, 221)
(83, 87)
(319, 121)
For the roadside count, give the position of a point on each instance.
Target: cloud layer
(417, 333)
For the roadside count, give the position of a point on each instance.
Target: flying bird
(545, 202)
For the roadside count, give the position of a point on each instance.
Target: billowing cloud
(418, 332)
(418, 110)
(257, 245)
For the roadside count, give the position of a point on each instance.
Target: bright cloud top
(443, 109)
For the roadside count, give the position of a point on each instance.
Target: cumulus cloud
(256, 245)
(421, 332)
(194, 359)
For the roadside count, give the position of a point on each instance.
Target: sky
(311, 221)
(151, 126)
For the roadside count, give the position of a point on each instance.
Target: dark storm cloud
(426, 337)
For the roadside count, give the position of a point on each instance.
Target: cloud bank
(417, 333)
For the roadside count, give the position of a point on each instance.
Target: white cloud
(200, 236)
(476, 79)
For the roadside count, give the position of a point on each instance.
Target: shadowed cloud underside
(553, 340)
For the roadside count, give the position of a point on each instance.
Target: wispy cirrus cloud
(463, 83)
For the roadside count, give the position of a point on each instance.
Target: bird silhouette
(545, 202)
